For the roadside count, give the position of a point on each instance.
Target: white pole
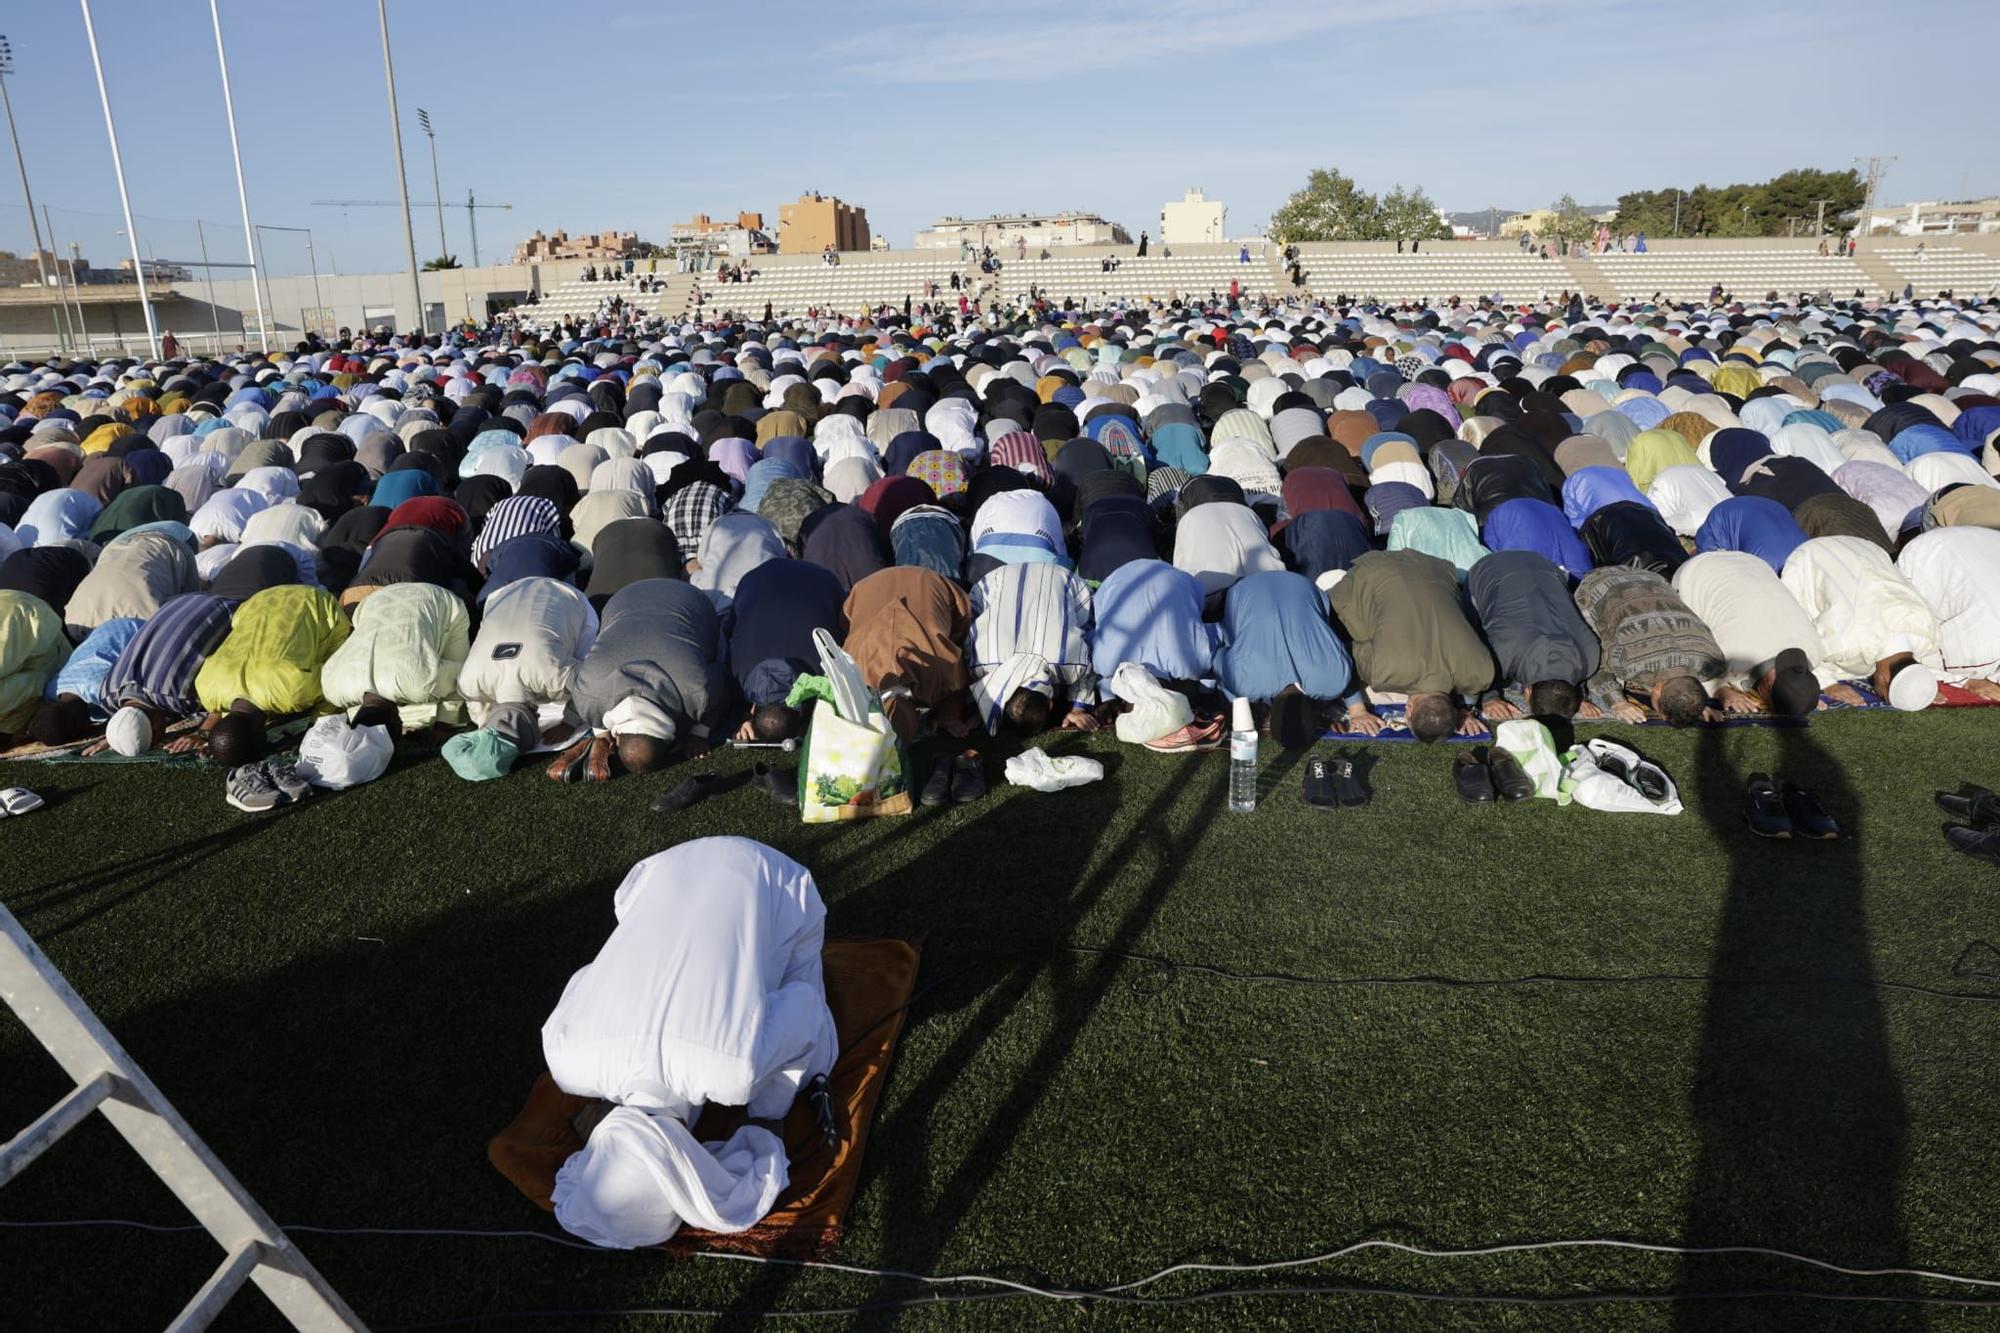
(118, 166)
(33, 224)
(402, 177)
(242, 195)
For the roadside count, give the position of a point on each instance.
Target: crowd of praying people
(616, 547)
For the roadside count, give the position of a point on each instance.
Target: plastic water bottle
(1242, 759)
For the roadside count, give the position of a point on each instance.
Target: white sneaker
(249, 789)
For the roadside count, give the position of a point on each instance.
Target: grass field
(345, 1001)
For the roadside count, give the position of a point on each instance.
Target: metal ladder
(108, 1080)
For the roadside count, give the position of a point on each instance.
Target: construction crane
(471, 207)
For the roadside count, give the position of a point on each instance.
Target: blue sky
(642, 115)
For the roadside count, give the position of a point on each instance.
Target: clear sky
(634, 117)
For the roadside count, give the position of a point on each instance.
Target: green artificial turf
(345, 1000)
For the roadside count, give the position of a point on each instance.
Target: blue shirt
(1536, 525)
(84, 674)
(1150, 612)
(1277, 632)
(1754, 525)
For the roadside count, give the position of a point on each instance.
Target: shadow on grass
(1800, 1114)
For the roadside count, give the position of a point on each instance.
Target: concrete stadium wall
(115, 324)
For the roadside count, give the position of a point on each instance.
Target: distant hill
(1480, 218)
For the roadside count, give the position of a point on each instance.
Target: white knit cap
(1914, 688)
(130, 731)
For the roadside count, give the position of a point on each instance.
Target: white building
(1037, 229)
(1935, 217)
(1193, 219)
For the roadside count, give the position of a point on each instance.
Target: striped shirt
(159, 666)
(515, 516)
(1030, 627)
(1647, 632)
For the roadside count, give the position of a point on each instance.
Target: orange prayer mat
(868, 983)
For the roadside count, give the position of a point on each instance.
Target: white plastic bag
(1156, 710)
(1034, 768)
(1530, 742)
(1586, 783)
(336, 755)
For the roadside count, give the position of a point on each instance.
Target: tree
(441, 262)
(1764, 209)
(1568, 221)
(1331, 207)
(1411, 216)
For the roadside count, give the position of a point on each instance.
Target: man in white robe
(1873, 624)
(709, 990)
(1957, 572)
(1775, 658)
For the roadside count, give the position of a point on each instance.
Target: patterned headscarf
(942, 470)
(1021, 451)
(691, 510)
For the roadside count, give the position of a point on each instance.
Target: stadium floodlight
(6, 68)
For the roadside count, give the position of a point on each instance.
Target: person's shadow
(1802, 1127)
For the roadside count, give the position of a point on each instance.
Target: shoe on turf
(968, 778)
(1809, 818)
(1983, 843)
(1510, 781)
(1472, 779)
(1317, 788)
(691, 790)
(1190, 738)
(1976, 805)
(1764, 808)
(19, 801)
(284, 775)
(1347, 788)
(781, 785)
(937, 788)
(249, 790)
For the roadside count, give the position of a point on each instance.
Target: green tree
(441, 262)
(1411, 216)
(1570, 222)
(1331, 207)
(1785, 204)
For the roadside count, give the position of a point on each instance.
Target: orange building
(815, 221)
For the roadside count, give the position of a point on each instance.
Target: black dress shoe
(937, 788)
(1473, 779)
(968, 779)
(692, 790)
(1983, 843)
(1510, 780)
(1975, 804)
(1764, 808)
(1809, 818)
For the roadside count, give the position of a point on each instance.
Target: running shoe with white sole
(250, 790)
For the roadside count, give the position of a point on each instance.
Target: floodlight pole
(118, 168)
(214, 311)
(402, 177)
(63, 293)
(6, 68)
(437, 195)
(242, 195)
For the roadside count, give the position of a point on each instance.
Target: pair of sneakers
(1786, 810)
(255, 788)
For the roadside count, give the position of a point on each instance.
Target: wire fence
(182, 250)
